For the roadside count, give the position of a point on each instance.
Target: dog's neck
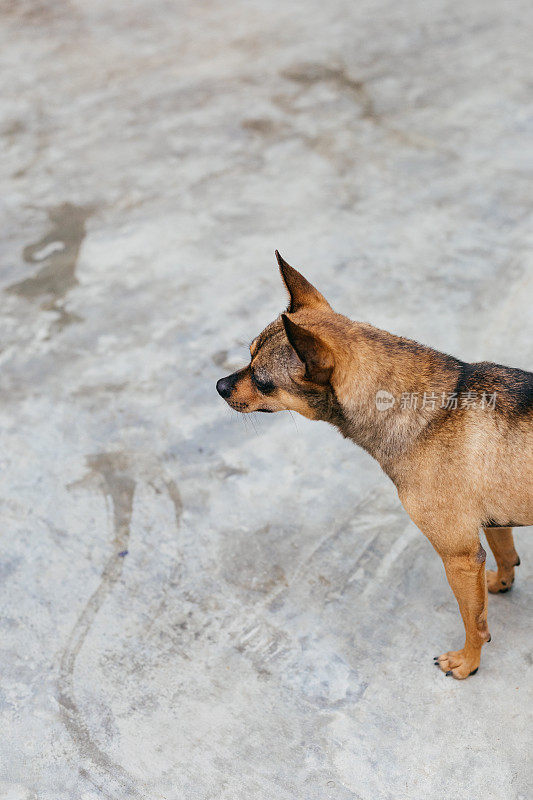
(411, 380)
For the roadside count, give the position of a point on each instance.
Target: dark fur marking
(264, 385)
(513, 387)
(325, 403)
(465, 372)
(493, 524)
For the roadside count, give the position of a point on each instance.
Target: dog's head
(293, 360)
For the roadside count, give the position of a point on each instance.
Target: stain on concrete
(58, 252)
(58, 249)
(13, 129)
(110, 470)
(308, 74)
(98, 389)
(40, 12)
(247, 561)
(219, 358)
(261, 125)
(311, 73)
(8, 567)
(227, 471)
(177, 502)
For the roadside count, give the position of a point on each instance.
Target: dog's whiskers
(294, 421)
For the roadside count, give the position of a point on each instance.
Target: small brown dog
(455, 438)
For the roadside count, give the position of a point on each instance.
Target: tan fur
(502, 545)
(456, 470)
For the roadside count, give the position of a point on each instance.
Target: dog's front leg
(457, 543)
(466, 576)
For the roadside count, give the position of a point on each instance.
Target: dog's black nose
(224, 387)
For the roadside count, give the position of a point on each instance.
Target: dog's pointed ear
(302, 293)
(311, 350)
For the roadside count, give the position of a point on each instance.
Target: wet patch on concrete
(58, 249)
(58, 252)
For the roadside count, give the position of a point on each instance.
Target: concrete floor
(195, 605)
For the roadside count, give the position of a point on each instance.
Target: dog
(455, 438)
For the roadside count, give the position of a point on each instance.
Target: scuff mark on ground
(112, 473)
(110, 470)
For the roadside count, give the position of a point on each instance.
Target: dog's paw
(497, 583)
(459, 663)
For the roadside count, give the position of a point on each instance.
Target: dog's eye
(265, 386)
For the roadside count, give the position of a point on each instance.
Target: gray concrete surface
(268, 630)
